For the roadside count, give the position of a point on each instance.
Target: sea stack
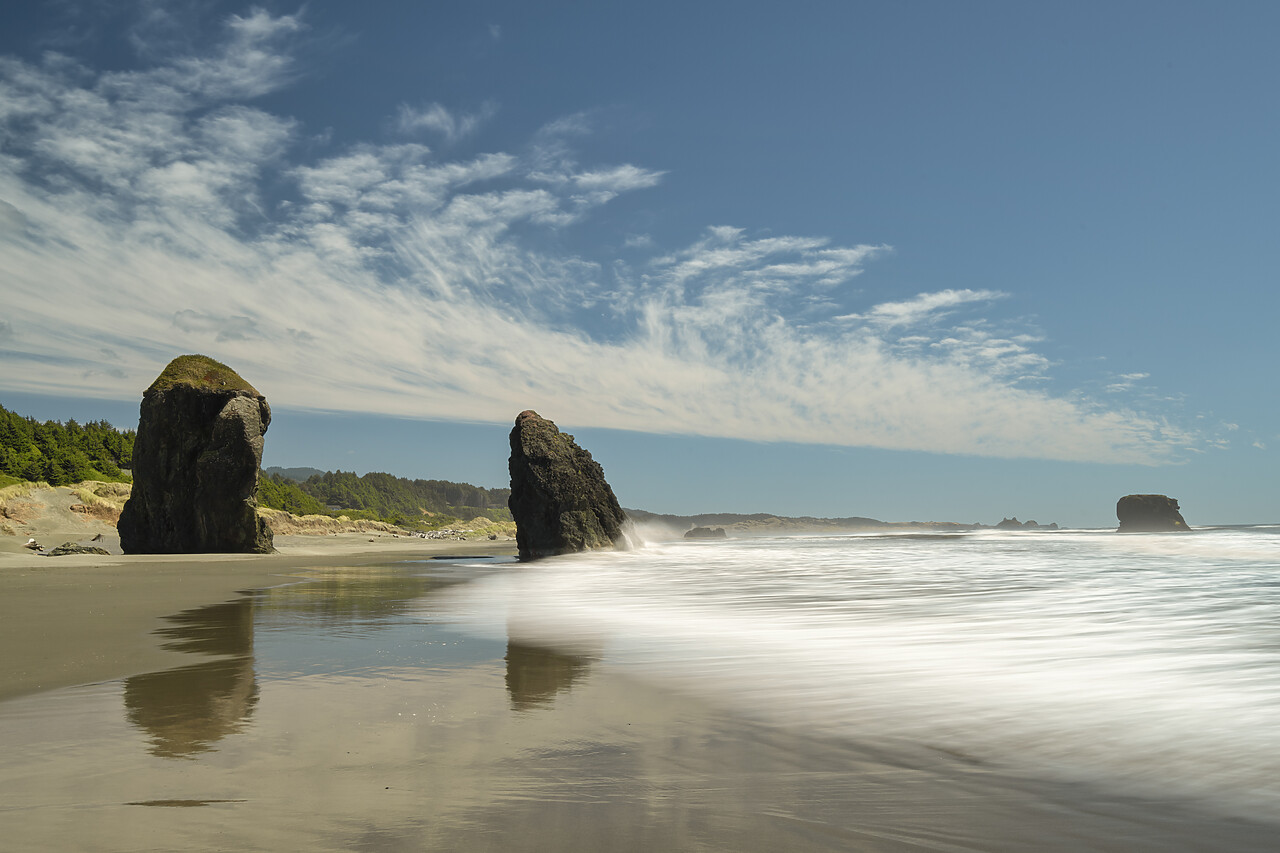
(559, 498)
(1149, 514)
(195, 464)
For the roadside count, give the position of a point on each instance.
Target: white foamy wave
(1089, 656)
(1260, 544)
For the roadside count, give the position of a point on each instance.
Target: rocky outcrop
(705, 533)
(195, 464)
(559, 498)
(1149, 514)
(67, 548)
(1014, 524)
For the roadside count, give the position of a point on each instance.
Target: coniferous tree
(60, 453)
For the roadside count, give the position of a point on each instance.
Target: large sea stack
(1149, 514)
(195, 464)
(559, 498)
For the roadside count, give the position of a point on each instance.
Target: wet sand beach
(80, 618)
(152, 706)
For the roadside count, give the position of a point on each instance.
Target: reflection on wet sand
(535, 674)
(346, 598)
(186, 711)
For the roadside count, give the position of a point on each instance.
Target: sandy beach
(334, 716)
(146, 704)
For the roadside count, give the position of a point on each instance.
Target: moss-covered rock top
(200, 371)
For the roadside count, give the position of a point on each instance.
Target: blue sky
(906, 260)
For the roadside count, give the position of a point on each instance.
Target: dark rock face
(705, 533)
(1149, 513)
(559, 498)
(195, 464)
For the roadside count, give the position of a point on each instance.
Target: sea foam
(1149, 663)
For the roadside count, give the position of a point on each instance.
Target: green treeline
(383, 496)
(278, 493)
(60, 454)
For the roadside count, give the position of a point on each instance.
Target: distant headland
(762, 524)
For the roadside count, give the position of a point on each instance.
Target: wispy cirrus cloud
(923, 306)
(384, 278)
(436, 118)
(1126, 382)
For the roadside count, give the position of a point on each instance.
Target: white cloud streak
(925, 306)
(133, 227)
(438, 119)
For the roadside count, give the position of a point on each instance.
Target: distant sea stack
(1149, 514)
(1014, 524)
(559, 498)
(195, 464)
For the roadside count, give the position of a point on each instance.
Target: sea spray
(1135, 661)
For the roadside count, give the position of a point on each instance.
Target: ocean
(1144, 664)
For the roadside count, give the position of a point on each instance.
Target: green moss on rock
(200, 371)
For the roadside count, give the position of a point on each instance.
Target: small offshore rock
(1149, 514)
(560, 500)
(196, 464)
(705, 533)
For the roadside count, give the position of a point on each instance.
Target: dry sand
(82, 619)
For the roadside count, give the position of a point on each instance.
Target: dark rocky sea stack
(1149, 514)
(195, 464)
(559, 498)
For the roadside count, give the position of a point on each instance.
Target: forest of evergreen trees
(60, 454)
(389, 497)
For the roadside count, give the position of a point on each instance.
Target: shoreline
(85, 619)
